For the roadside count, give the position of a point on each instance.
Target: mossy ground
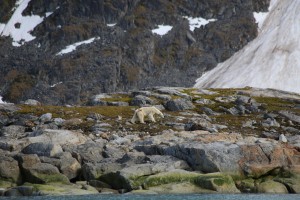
(119, 116)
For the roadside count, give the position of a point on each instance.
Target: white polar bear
(141, 113)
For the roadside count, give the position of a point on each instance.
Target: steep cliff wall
(125, 54)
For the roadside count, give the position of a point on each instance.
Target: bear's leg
(151, 117)
(141, 117)
(134, 118)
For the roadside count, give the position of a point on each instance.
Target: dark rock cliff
(126, 56)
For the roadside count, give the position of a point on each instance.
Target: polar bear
(141, 113)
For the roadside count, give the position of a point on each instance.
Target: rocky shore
(210, 141)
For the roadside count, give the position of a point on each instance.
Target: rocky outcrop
(187, 151)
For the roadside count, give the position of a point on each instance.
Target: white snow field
(272, 60)
(19, 26)
(197, 22)
(162, 29)
(1, 100)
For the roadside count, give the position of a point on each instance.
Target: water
(169, 196)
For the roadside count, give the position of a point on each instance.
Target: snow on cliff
(73, 47)
(19, 26)
(272, 60)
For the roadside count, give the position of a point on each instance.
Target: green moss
(59, 189)
(6, 184)
(190, 91)
(77, 112)
(217, 182)
(54, 178)
(275, 104)
(137, 182)
(170, 177)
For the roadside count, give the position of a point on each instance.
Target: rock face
(124, 56)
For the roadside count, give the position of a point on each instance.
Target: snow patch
(162, 30)
(73, 47)
(272, 60)
(198, 22)
(111, 25)
(19, 26)
(1, 100)
(56, 84)
(260, 18)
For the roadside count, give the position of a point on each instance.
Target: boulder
(44, 173)
(134, 157)
(209, 111)
(179, 104)
(60, 137)
(8, 107)
(247, 185)
(272, 187)
(129, 177)
(71, 123)
(9, 169)
(45, 117)
(43, 149)
(117, 103)
(113, 151)
(198, 124)
(25, 190)
(217, 182)
(36, 172)
(263, 158)
(291, 116)
(141, 100)
(204, 102)
(98, 184)
(282, 138)
(271, 135)
(172, 91)
(172, 176)
(32, 102)
(98, 100)
(292, 182)
(270, 123)
(13, 131)
(69, 166)
(89, 152)
(93, 171)
(12, 192)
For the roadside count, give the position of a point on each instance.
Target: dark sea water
(168, 196)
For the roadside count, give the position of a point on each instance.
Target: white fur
(143, 112)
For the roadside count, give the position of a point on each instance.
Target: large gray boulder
(43, 149)
(92, 171)
(69, 166)
(36, 172)
(272, 187)
(128, 177)
(9, 169)
(290, 116)
(61, 137)
(198, 124)
(141, 100)
(13, 131)
(179, 104)
(208, 156)
(89, 152)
